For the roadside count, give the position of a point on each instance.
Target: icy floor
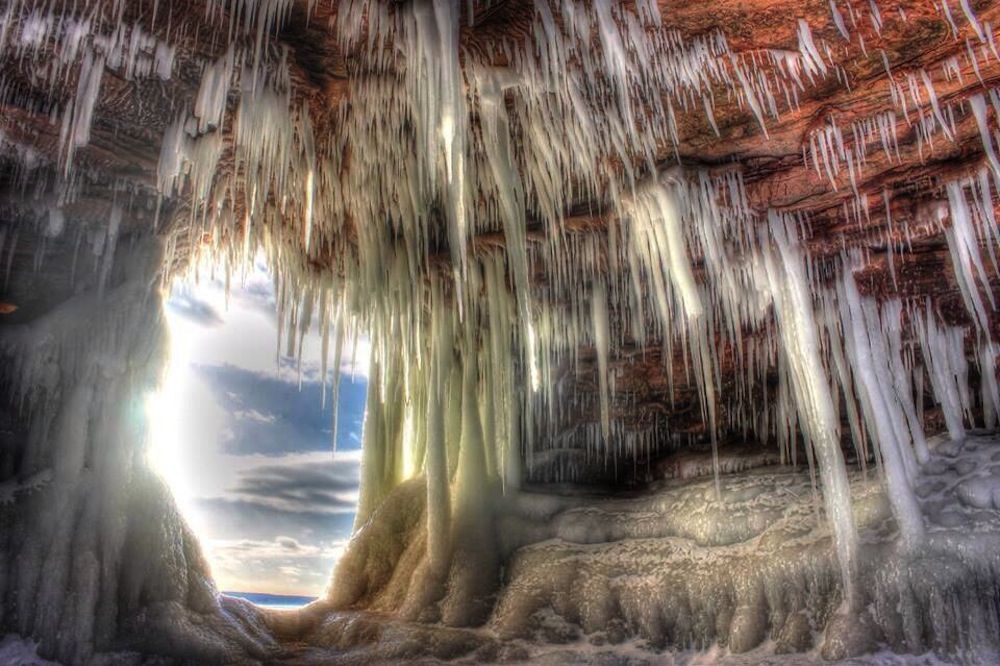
(412, 644)
(960, 486)
(638, 655)
(634, 579)
(674, 575)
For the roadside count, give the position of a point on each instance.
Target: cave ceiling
(852, 115)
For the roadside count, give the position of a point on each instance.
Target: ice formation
(513, 221)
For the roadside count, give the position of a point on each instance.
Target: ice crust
(670, 574)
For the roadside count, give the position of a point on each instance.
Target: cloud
(241, 518)
(284, 548)
(254, 289)
(194, 309)
(294, 504)
(270, 566)
(271, 415)
(328, 487)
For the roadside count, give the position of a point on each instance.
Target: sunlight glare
(164, 412)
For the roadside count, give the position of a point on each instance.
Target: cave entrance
(241, 431)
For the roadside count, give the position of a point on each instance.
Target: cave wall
(94, 555)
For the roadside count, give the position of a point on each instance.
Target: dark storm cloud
(194, 309)
(270, 415)
(301, 487)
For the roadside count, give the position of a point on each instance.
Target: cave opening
(241, 431)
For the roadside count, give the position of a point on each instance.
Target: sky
(246, 450)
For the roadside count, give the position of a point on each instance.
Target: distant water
(276, 601)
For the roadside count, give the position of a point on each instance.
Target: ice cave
(683, 320)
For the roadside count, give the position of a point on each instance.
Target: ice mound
(674, 574)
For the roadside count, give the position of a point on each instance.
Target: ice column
(888, 422)
(787, 281)
(599, 313)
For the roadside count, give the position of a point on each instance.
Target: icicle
(436, 465)
(935, 107)
(887, 423)
(789, 287)
(991, 391)
(963, 244)
(811, 58)
(971, 18)
(838, 20)
(110, 243)
(599, 314)
(210, 104)
(78, 118)
(978, 104)
(943, 354)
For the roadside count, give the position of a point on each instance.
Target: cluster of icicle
(48, 44)
(398, 190)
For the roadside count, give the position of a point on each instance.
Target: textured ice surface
(672, 574)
